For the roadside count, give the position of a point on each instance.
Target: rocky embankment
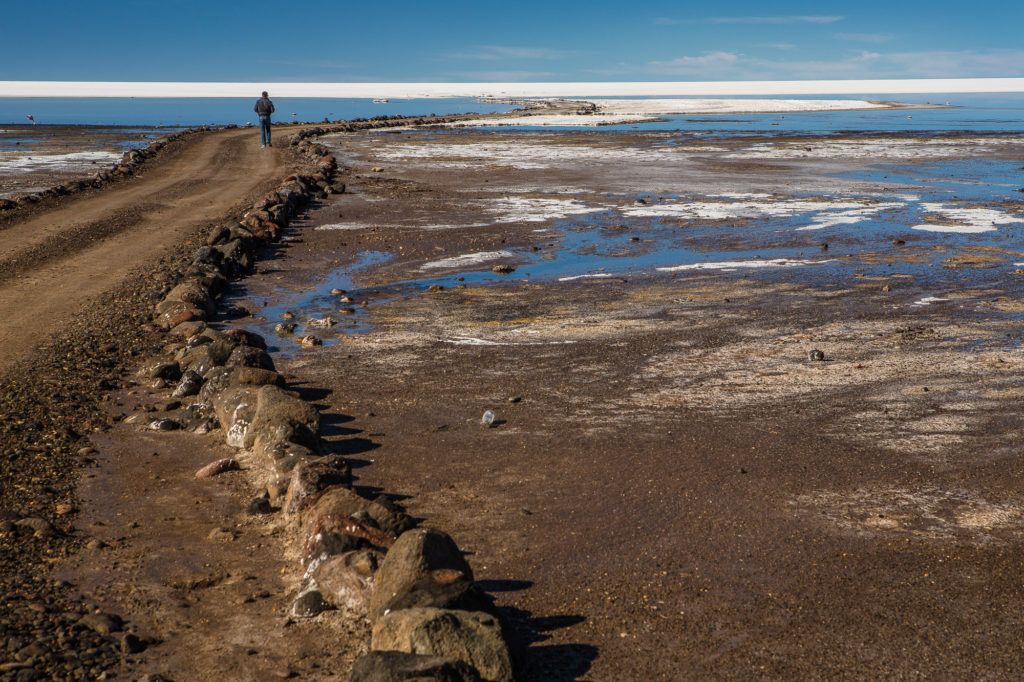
(363, 558)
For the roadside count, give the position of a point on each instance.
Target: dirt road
(58, 260)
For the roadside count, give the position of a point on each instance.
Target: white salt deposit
(75, 161)
(364, 226)
(730, 106)
(467, 259)
(727, 266)
(871, 148)
(849, 217)
(726, 210)
(545, 120)
(532, 210)
(967, 220)
(521, 154)
(928, 300)
(474, 341)
(595, 275)
(341, 226)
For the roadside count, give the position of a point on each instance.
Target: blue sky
(516, 41)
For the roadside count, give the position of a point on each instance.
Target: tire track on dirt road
(52, 263)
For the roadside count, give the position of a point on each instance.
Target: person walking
(264, 108)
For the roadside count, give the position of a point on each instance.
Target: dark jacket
(264, 107)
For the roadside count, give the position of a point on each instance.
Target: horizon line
(400, 90)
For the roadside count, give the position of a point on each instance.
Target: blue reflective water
(315, 303)
(613, 244)
(217, 110)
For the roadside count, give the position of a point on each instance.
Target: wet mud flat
(35, 157)
(674, 487)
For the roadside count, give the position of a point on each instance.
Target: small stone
(41, 528)
(132, 644)
(816, 356)
(260, 505)
(189, 385)
(164, 425)
(310, 341)
(218, 467)
(309, 604)
(170, 371)
(321, 323)
(103, 623)
(222, 535)
(503, 269)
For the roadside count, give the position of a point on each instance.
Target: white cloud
(865, 64)
(502, 52)
(784, 19)
(510, 76)
(708, 60)
(777, 20)
(865, 37)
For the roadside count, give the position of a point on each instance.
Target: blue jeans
(264, 130)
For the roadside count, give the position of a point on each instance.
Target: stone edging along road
(363, 558)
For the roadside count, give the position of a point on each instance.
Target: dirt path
(58, 260)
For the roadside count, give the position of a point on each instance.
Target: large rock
(235, 409)
(172, 313)
(334, 503)
(443, 589)
(236, 258)
(282, 416)
(338, 503)
(309, 479)
(346, 580)
(193, 293)
(417, 555)
(197, 359)
(221, 378)
(248, 356)
(397, 666)
(468, 636)
(199, 417)
(247, 338)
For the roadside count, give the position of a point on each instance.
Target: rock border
(364, 557)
